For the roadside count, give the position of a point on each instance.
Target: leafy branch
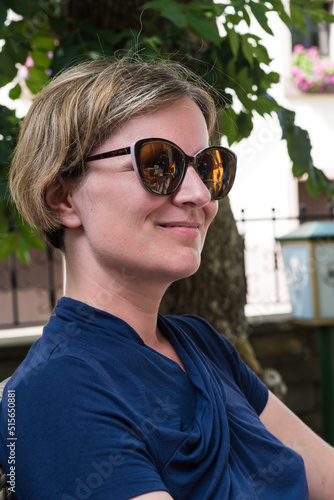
(235, 63)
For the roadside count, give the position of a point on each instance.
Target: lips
(183, 229)
(194, 225)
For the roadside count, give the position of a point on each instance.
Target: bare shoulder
(154, 495)
(318, 456)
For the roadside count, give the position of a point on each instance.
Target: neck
(120, 294)
(124, 295)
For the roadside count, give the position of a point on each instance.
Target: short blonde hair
(77, 111)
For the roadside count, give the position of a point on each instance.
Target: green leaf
(287, 119)
(298, 17)
(7, 245)
(156, 4)
(298, 171)
(278, 7)
(8, 69)
(298, 143)
(228, 125)
(3, 14)
(242, 93)
(43, 43)
(246, 17)
(238, 4)
(3, 226)
(247, 50)
(264, 103)
(41, 59)
(299, 147)
(218, 9)
(245, 124)
(22, 249)
(261, 54)
(317, 182)
(204, 26)
(259, 10)
(36, 242)
(170, 10)
(234, 41)
(37, 78)
(15, 92)
(17, 42)
(245, 82)
(315, 10)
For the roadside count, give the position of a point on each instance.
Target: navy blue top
(101, 415)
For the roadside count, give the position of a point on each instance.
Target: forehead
(181, 122)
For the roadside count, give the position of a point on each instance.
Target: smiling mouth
(183, 229)
(189, 225)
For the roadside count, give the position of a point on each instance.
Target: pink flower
(313, 52)
(29, 62)
(295, 70)
(298, 49)
(304, 85)
(310, 71)
(300, 79)
(329, 79)
(320, 66)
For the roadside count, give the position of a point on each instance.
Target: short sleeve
(70, 415)
(255, 391)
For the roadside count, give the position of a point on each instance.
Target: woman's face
(124, 228)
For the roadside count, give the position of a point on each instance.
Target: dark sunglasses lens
(216, 167)
(160, 166)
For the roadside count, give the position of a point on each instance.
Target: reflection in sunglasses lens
(160, 164)
(161, 168)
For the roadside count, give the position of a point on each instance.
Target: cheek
(212, 210)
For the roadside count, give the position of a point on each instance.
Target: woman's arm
(154, 495)
(317, 454)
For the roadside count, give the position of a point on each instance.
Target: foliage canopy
(54, 34)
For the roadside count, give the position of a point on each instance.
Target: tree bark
(107, 14)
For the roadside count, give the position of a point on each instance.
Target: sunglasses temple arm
(109, 154)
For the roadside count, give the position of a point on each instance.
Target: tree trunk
(107, 14)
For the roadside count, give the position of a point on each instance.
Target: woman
(115, 401)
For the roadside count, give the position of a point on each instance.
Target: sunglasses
(161, 166)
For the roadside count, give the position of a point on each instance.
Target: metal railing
(264, 268)
(28, 293)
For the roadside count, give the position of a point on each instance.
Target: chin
(183, 265)
(186, 271)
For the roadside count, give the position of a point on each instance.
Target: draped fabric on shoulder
(113, 418)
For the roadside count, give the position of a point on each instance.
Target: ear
(59, 199)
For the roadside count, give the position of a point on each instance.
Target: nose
(192, 190)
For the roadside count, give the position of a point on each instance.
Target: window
(310, 209)
(316, 34)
